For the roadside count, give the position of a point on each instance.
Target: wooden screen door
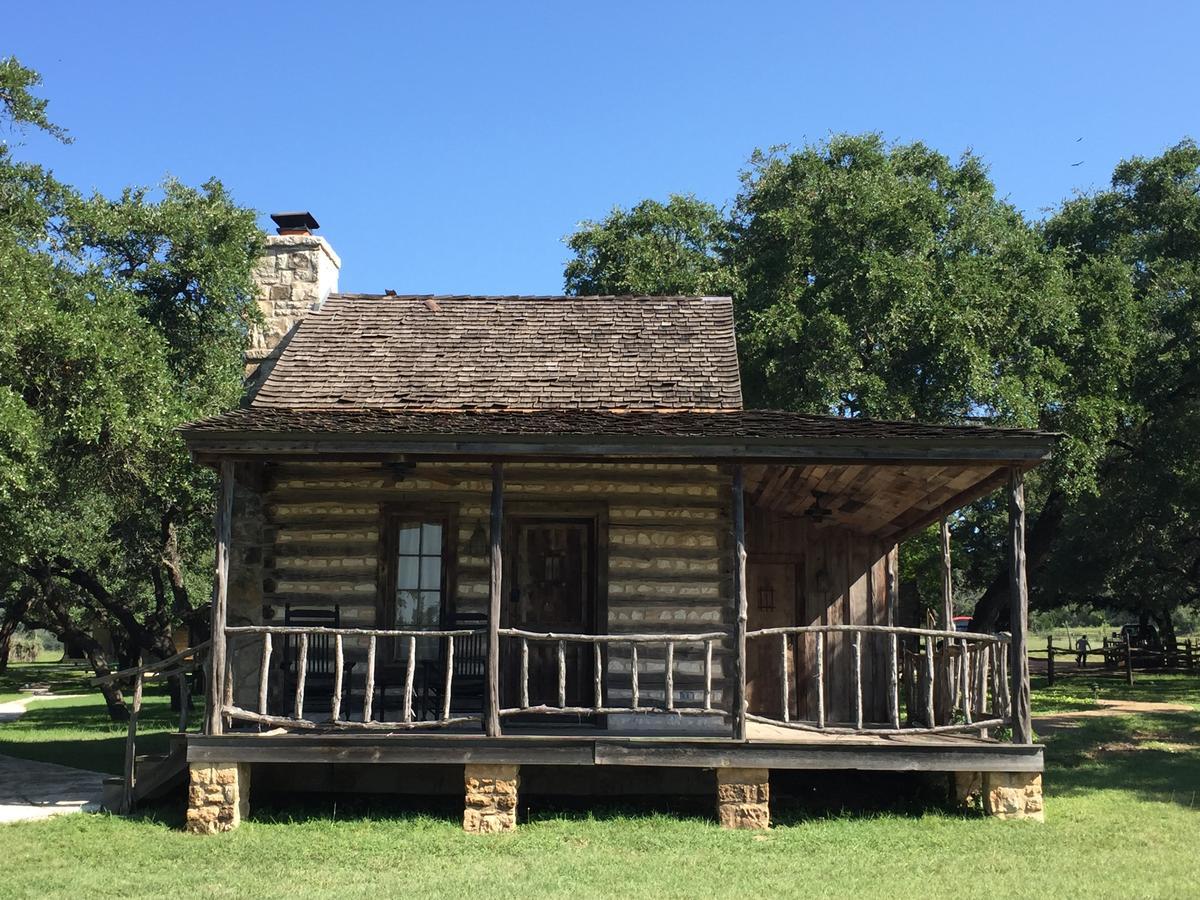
(550, 588)
(771, 603)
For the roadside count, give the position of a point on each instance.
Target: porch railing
(602, 700)
(372, 636)
(181, 666)
(954, 681)
(933, 681)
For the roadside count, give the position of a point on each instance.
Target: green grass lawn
(61, 678)
(78, 732)
(1122, 809)
(1075, 692)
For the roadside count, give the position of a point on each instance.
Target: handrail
(263, 716)
(351, 632)
(151, 669)
(175, 666)
(999, 637)
(962, 684)
(954, 679)
(662, 638)
(599, 707)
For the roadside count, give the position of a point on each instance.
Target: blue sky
(449, 147)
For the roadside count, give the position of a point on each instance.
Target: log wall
(665, 554)
(311, 534)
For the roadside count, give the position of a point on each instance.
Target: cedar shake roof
(734, 424)
(420, 352)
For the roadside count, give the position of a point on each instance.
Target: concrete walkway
(37, 790)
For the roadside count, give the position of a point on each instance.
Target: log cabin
(503, 535)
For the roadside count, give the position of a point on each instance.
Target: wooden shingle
(420, 352)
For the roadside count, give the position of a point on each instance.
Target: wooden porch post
(947, 579)
(215, 723)
(1022, 731)
(893, 593)
(492, 722)
(738, 708)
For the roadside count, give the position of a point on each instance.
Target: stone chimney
(295, 275)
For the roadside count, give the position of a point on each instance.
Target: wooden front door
(551, 587)
(771, 603)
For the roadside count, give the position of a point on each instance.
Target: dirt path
(37, 790)
(1052, 722)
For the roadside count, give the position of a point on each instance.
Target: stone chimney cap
(295, 222)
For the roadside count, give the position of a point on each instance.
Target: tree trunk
(1166, 628)
(68, 632)
(14, 615)
(991, 611)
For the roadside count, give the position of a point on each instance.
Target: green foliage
(891, 282)
(887, 280)
(119, 320)
(18, 102)
(654, 248)
(1134, 544)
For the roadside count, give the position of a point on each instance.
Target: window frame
(392, 517)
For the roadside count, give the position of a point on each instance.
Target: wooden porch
(838, 684)
(856, 673)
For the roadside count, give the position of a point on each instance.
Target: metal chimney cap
(295, 222)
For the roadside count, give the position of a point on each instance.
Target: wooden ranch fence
(1116, 655)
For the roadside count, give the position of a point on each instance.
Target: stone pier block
(491, 798)
(1013, 795)
(743, 798)
(218, 797)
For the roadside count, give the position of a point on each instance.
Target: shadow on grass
(1155, 756)
(1080, 690)
(80, 733)
(797, 797)
(59, 678)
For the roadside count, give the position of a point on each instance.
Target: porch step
(159, 773)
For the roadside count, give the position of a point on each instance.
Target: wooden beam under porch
(766, 747)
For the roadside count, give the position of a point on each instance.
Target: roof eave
(1020, 449)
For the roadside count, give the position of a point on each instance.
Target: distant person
(1081, 651)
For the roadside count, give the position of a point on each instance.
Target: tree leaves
(887, 280)
(120, 319)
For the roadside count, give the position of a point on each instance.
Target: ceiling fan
(818, 512)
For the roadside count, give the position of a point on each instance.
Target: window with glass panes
(419, 579)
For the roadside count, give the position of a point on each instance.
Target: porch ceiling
(886, 500)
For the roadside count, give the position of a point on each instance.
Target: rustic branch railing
(933, 681)
(372, 636)
(179, 666)
(960, 666)
(602, 703)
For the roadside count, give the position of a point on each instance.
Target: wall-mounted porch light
(766, 597)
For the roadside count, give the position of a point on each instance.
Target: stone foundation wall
(491, 798)
(218, 797)
(743, 798)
